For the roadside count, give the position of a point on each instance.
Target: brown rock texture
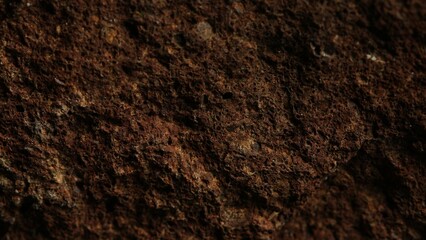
(156, 119)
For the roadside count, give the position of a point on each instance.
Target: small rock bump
(204, 31)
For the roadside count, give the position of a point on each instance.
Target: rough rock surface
(156, 119)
